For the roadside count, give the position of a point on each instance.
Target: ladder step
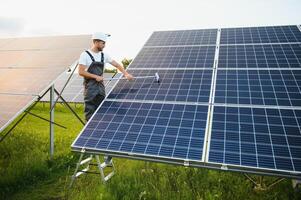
(103, 165)
(108, 176)
(81, 172)
(85, 161)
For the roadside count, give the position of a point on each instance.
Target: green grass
(26, 172)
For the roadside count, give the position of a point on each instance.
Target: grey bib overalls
(94, 91)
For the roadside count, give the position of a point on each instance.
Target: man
(91, 67)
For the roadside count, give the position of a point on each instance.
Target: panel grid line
(207, 138)
(287, 143)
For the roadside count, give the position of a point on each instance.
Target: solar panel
(5, 41)
(175, 85)
(29, 65)
(45, 43)
(257, 102)
(37, 58)
(110, 84)
(242, 87)
(26, 43)
(161, 120)
(259, 87)
(183, 37)
(172, 131)
(12, 104)
(268, 34)
(256, 137)
(9, 59)
(260, 56)
(182, 57)
(30, 81)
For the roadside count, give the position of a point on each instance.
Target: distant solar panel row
(29, 65)
(67, 42)
(37, 58)
(28, 80)
(10, 105)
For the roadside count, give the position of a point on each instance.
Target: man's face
(99, 45)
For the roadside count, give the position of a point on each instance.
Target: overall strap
(92, 58)
(102, 57)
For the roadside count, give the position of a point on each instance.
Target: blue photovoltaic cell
(269, 34)
(174, 85)
(256, 137)
(259, 87)
(260, 56)
(183, 37)
(166, 130)
(175, 57)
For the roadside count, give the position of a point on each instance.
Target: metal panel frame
(193, 163)
(211, 100)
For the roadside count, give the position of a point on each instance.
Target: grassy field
(26, 172)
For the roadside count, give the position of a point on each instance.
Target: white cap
(100, 36)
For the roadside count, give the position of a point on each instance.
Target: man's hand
(129, 77)
(121, 68)
(99, 78)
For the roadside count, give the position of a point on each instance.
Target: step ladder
(83, 166)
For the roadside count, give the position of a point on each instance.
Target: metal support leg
(65, 102)
(78, 164)
(42, 118)
(60, 93)
(108, 162)
(260, 185)
(51, 122)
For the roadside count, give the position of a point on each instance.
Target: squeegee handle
(123, 78)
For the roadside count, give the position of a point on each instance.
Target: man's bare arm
(82, 72)
(120, 68)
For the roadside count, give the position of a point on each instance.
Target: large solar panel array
(228, 98)
(29, 65)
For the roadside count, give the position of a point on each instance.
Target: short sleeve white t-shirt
(85, 59)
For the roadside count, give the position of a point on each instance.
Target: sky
(131, 22)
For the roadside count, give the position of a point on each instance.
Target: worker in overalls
(91, 67)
